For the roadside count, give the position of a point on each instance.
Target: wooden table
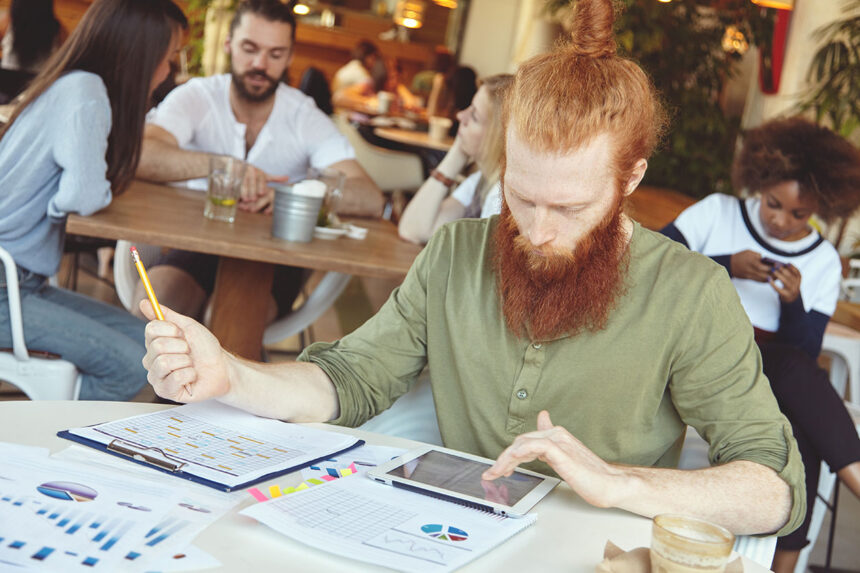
(414, 138)
(173, 217)
(654, 207)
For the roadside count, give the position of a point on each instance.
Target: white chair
(412, 416)
(323, 296)
(694, 455)
(40, 377)
(842, 345)
(393, 171)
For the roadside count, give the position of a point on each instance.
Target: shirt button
(537, 345)
(522, 394)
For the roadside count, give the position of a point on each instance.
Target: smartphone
(773, 264)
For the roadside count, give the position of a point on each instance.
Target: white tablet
(456, 476)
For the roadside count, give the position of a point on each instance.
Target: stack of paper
(359, 518)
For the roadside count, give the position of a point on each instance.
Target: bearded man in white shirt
(251, 114)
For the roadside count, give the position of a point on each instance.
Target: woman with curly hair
(788, 277)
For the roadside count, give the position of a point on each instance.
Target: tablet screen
(463, 476)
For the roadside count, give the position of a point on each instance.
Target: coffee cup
(682, 544)
(384, 101)
(439, 127)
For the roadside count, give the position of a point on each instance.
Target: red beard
(546, 296)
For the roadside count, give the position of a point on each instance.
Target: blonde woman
(479, 140)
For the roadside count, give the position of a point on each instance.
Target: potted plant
(679, 45)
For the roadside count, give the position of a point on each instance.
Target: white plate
(328, 232)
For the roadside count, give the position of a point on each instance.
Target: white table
(568, 536)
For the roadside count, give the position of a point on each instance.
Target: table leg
(240, 303)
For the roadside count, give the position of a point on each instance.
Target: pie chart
(67, 490)
(444, 532)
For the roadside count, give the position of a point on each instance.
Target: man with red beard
(251, 114)
(563, 305)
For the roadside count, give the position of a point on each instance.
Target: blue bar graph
(63, 522)
(17, 544)
(90, 561)
(132, 555)
(42, 511)
(166, 534)
(116, 537)
(20, 501)
(42, 553)
(54, 515)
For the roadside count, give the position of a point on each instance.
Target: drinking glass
(225, 187)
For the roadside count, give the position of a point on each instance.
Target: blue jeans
(105, 342)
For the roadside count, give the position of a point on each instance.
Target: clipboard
(156, 459)
(213, 444)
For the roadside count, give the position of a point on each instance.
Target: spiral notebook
(214, 444)
(358, 518)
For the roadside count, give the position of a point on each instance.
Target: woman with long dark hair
(74, 141)
(32, 33)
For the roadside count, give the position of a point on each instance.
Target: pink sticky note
(258, 495)
(328, 477)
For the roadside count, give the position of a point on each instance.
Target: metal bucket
(296, 209)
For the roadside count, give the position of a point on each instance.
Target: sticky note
(258, 495)
(275, 491)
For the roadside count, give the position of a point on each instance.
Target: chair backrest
(12, 83)
(19, 348)
(315, 85)
(390, 170)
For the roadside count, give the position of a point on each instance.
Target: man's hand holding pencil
(181, 354)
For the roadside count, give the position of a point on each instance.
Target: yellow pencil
(150, 293)
(148, 287)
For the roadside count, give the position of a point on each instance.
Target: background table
(173, 217)
(414, 138)
(568, 536)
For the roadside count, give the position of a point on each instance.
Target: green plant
(679, 45)
(834, 73)
(196, 12)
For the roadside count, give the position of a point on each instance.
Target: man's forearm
(162, 162)
(361, 197)
(743, 496)
(294, 391)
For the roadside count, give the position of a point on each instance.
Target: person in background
(454, 95)
(426, 80)
(357, 71)
(74, 141)
(561, 304)
(479, 140)
(249, 113)
(30, 34)
(788, 277)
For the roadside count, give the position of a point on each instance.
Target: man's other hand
(256, 194)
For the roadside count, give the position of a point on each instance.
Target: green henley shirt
(678, 349)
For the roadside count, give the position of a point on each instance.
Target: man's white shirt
(297, 135)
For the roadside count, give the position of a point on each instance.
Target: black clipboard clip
(136, 452)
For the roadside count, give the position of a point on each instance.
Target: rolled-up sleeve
(377, 363)
(718, 387)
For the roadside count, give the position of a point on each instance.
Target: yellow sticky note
(302, 486)
(275, 491)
